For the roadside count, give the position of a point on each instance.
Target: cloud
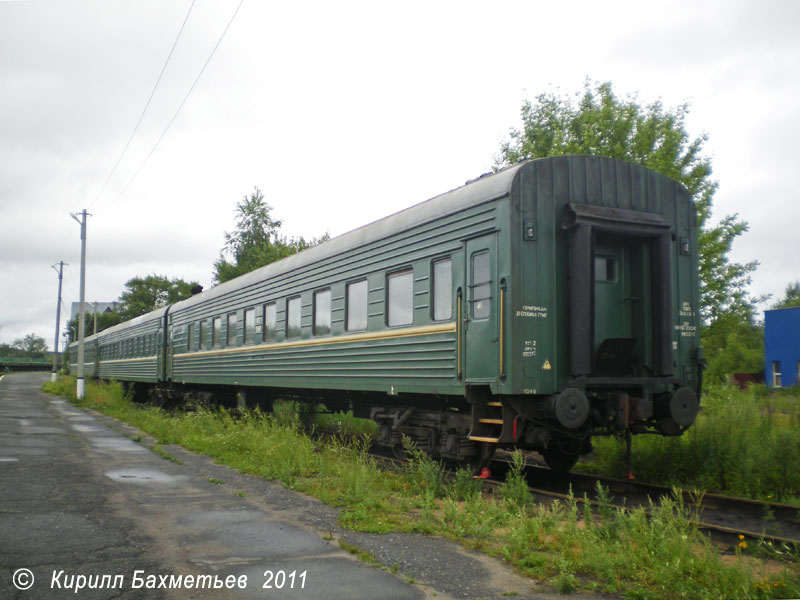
(342, 114)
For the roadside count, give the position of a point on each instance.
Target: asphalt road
(87, 512)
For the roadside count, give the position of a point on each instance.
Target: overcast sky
(345, 112)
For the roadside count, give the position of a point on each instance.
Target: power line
(172, 120)
(146, 106)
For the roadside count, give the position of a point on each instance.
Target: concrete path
(87, 512)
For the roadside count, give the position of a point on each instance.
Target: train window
(203, 334)
(322, 312)
(401, 298)
(189, 336)
(481, 288)
(270, 321)
(216, 332)
(357, 305)
(231, 329)
(442, 290)
(293, 317)
(249, 326)
(604, 268)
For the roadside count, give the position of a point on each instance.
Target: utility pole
(58, 319)
(81, 391)
(95, 316)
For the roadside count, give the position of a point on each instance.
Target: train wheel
(558, 460)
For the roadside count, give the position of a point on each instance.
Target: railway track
(725, 517)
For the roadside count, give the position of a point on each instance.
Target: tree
(104, 321)
(140, 296)
(145, 294)
(792, 297)
(732, 344)
(31, 346)
(599, 123)
(256, 241)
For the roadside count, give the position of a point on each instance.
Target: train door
(621, 299)
(480, 316)
(170, 352)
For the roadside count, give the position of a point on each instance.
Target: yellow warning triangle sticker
(546, 366)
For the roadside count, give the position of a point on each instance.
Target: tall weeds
(745, 443)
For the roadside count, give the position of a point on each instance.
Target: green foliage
(427, 474)
(792, 297)
(597, 122)
(145, 294)
(104, 321)
(514, 490)
(347, 424)
(745, 443)
(31, 346)
(140, 296)
(464, 485)
(732, 344)
(256, 241)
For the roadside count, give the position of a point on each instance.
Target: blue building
(782, 346)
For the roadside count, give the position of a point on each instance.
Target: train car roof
(485, 188)
(488, 187)
(155, 314)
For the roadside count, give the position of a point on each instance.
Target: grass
(608, 551)
(744, 443)
(165, 455)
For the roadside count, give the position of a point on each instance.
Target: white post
(54, 375)
(81, 319)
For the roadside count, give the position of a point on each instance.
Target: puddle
(44, 431)
(215, 518)
(269, 540)
(143, 476)
(85, 428)
(117, 444)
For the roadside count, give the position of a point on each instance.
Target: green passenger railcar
(127, 352)
(535, 307)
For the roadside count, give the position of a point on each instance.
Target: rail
(727, 517)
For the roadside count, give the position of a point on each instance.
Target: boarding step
(491, 421)
(488, 440)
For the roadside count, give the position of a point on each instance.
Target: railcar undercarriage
(468, 431)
